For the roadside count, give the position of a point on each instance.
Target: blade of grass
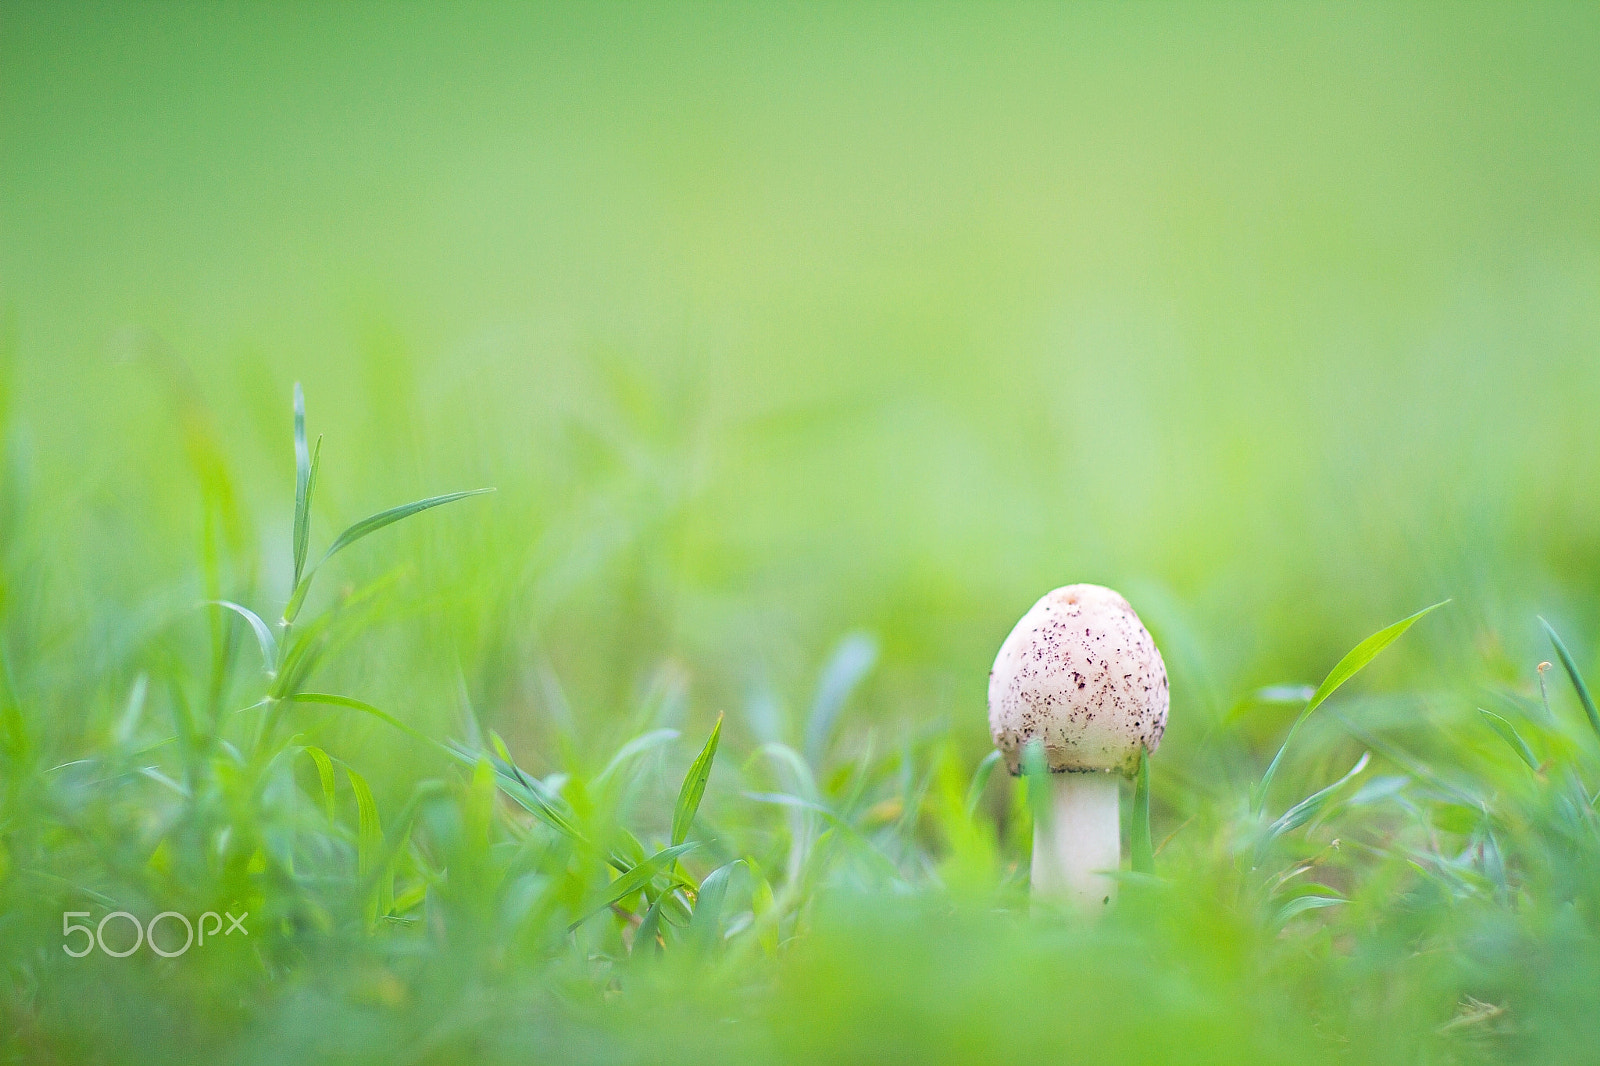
(1508, 733)
(369, 829)
(1036, 773)
(264, 638)
(1353, 662)
(1141, 853)
(980, 781)
(694, 786)
(804, 781)
(378, 886)
(525, 791)
(325, 773)
(133, 711)
(847, 667)
(300, 656)
(705, 925)
(634, 748)
(635, 879)
(335, 700)
(1301, 904)
(373, 523)
(183, 725)
(363, 528)
(1574, 676)
(302, 513)
(645, 937)
(1308, 808)
(305, 475)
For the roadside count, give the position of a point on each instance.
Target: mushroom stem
(1079, 844)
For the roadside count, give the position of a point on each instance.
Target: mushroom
(1080, 677)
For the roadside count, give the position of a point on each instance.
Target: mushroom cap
(1081, 674)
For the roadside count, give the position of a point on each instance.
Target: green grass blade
(1574, 676)
(305, 489)
(299, 658)
(183, 726)
(1353, 663)
(847, 667)
(635, 879)
(804, 781)
(303, 474)
(980, 781)
(1362, 654)
(369, 829)
(1301, 904)
(373, 523)
(264, 638)
(297, 598)
(1307, 809)
(1036, 773)
(694, 786)
(325, 773)
(14, 736)
(133, 710)
(1509, 734)
(634, 748)
(499, 744)
(526, 792)
(334, 700)
(705, 925)
(646, 936)
(1141, 852)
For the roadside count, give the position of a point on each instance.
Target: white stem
(1080, 843)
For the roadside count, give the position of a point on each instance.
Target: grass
(805, 346)
(829, 900)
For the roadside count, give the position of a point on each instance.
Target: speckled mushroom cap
(1080, 673)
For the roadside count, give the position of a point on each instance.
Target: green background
(773, 324)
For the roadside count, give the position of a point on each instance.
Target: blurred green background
(774, 324)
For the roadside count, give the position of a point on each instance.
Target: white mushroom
(1080, 676)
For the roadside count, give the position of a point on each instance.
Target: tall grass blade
(378, 521)
(705, 925)
(1302, 904)
(133, 711)
(847, 667)
(366, 526)
(1353, 662)
(804, 781)
(633, 749)
(1036, 772)
(980, 781)
(335, 700)
(302, 512)
(1508, 733)
(1142, 854)
(14, 739)
(526, 792)
(264, 638)
(646, 937)
(304, 477)
(694, 786)
(635, 879)
(1308, 808)
(325, 774)
(183, 726)
(1576, 678)
(369, 830)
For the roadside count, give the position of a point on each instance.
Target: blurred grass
(802, 337)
